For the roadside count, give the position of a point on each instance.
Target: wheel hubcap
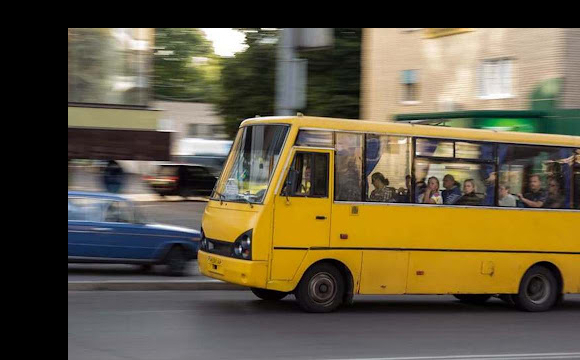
(322, 288)
(538, 289)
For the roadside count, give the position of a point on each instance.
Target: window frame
(412, 149)
(494, 161)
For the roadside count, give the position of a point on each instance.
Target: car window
(120, 212)
(168, 170)
(85, 209)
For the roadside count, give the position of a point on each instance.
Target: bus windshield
(254, 157)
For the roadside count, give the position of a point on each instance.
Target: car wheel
(538, 290)
(270, 295)
(476, 299)
(176, 262)
(145, 267)
(321, 289)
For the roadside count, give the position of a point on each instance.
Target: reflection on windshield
(255, 155)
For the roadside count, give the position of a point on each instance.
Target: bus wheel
(321, 289)
(477, 299)
(270, 295)
(538, 290)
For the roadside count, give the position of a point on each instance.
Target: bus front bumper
(236, 271)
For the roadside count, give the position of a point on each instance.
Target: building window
(410, 85)
(109, 66)
(495, 78)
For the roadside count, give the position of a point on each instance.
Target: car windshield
(253, 160)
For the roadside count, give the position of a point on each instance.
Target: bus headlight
(243, 246)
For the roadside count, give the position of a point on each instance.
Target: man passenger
(536, 197)
(452, 193)
(505, 198)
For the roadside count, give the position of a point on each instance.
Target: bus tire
(476, 299)
(321, 289)
(269, 295)
(538, 290)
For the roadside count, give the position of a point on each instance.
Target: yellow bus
(328, 208)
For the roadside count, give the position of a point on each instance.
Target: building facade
(410, 71)
(110, 113)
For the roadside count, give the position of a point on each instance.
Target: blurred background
(142, 99)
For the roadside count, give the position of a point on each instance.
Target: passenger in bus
(469, 197)
(537, 196)
(432, 194)
(306, 182)
(452, 193)
(420, 187)
(404, 194)
(555, 200)
(382, 192)
(505, 198)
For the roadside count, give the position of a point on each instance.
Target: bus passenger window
(387, 162)
(348, 167)
(539, 176)
(463, 183)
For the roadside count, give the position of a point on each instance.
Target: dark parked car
(183, 180)
(106, 228)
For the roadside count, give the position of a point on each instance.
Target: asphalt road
(235, 325)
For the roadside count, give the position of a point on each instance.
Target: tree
(248, 81)
(176, 77)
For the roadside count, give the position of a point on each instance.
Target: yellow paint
(112, 118)
(389, 245)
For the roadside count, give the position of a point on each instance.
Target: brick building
(411, 71)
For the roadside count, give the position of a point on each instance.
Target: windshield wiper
(248, 201)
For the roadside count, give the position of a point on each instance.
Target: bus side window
(308, 176)
(387, 169)
(538, 176)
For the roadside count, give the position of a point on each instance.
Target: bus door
(301, 211)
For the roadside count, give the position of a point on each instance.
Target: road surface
(172, 325)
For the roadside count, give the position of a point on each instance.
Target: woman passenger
(432, 194)
(382, 192)
(469, 197)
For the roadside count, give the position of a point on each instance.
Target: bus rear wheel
(538, 290)
(321, 289)
(477, 299)
(270, 295)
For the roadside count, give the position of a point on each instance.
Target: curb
(145, 285)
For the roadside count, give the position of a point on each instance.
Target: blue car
(107, 228)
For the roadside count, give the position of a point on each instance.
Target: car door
(128, 238)
(85, 228)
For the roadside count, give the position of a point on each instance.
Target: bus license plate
(215, 265)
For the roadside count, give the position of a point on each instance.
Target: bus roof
(417, 130)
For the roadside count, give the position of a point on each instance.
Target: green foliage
(334, 76)
(248, 80)
(248, 85)
(176, 76)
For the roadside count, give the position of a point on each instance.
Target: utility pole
(285, 56)
(291, 72)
